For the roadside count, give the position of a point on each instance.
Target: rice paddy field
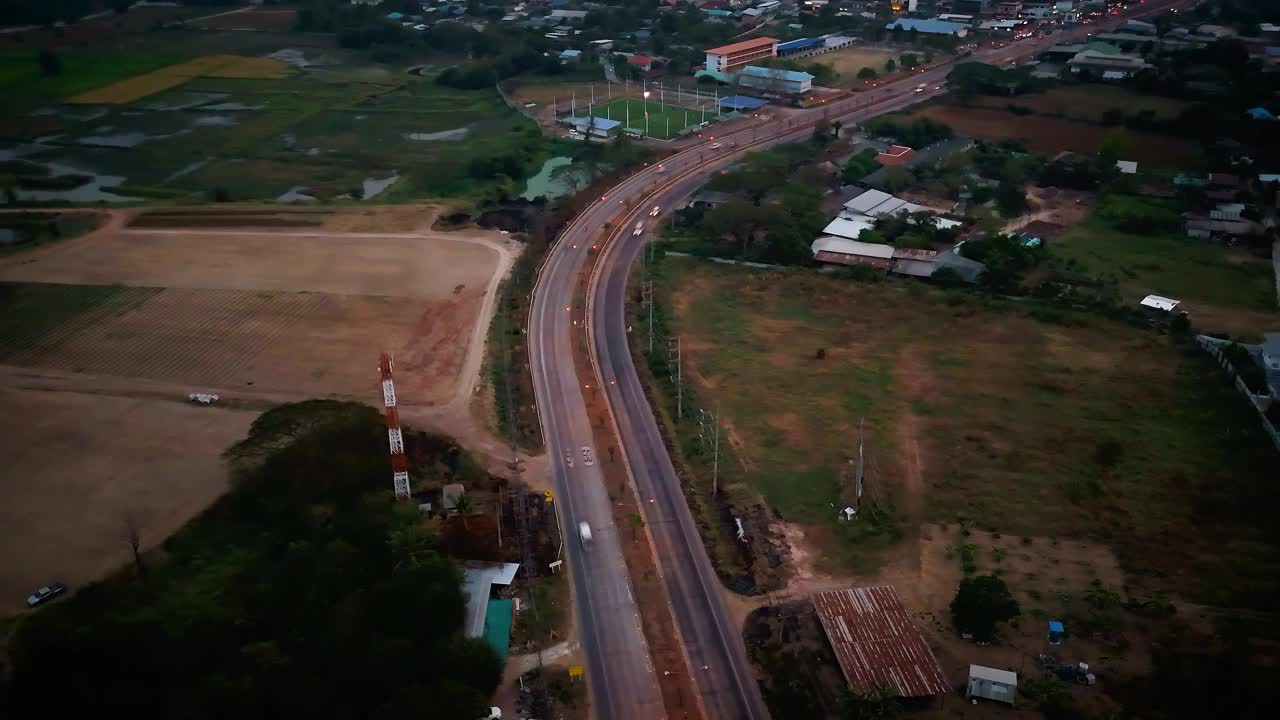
(291, 125)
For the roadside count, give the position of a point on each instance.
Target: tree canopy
(980, 604)
(304, 592)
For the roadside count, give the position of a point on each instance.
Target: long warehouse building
(731, 58)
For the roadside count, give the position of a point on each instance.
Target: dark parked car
(45, 594)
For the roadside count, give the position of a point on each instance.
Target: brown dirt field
(71, 477)
(284, 313)
(849, 61)
(261, 261)
(281, 19)
(107, 30)
(1089, 102)
(302, 344)
(1052, 135)
(257, 317)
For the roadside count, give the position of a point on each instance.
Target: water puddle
(185, 101)
(231, 106)
(442, 136)
(542, 184)
(95, 190)
(118, 140)
(295, 194)
(213, 121)
(372, 187)
(188, 169)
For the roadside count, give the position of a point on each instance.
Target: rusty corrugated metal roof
(876, 642)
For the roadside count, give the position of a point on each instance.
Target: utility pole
(673, 348)
(646, 293)
(857, 481)
(715, 456)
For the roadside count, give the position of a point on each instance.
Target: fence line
(1212, 346)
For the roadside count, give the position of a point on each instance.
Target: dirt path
(914, 381)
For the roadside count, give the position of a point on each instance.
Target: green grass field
(1170, 264)
(665, 120)
(22, 83)
(974, 410)
(325, 132)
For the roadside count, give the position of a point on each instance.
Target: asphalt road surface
(623, 683)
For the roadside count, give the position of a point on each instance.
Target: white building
(992, 684)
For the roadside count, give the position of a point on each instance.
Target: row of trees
(918, 133)
(767, 221)
(304, 592)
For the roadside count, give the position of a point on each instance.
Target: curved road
(623, 683)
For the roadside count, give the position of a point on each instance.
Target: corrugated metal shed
(775, 74)
(867, 200)
(876, 642)
(841, 227)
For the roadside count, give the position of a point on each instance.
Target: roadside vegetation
(301, 591)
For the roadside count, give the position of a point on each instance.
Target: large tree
(304, 592)
(981, 603)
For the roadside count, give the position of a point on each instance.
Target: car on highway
(714, 146)
(639, 228)
(584, 533)
(654, 212)
(45, 594)
(662, 170)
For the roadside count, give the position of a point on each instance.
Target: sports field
(665, 119)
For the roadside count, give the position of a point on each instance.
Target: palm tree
(462, 506)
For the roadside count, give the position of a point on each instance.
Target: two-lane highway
(623, 683)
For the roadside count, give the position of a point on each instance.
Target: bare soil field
(105, 31)
(79, 466)
(849, 61)
(1051, 135)
(103, 336)
(307, 261)
(1089, 102)
(248, 19)
(286, 313)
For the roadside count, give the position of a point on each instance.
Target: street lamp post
(646, 113)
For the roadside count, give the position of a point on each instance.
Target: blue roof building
(1260, 113)
(598, 126)
(394, 16)
(740, 102)
(792, 47)
(929, 27)
(776, 80)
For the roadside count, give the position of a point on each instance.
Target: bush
(1139, 216)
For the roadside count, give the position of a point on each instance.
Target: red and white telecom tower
(399, 466)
